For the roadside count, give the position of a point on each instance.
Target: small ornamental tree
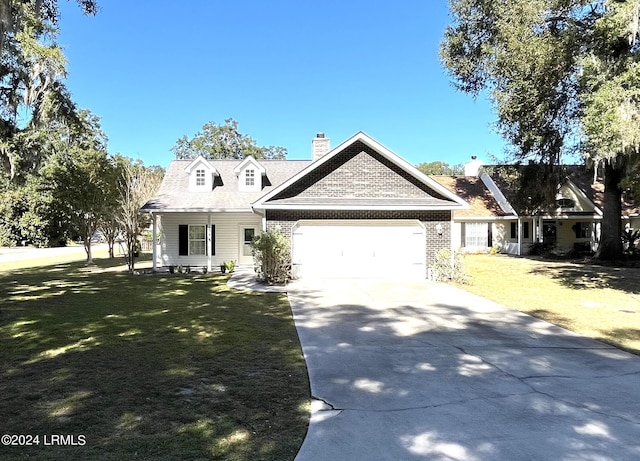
(272, 257)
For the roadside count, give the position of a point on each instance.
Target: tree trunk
(610, 247)
(87, 249)
(131, 248)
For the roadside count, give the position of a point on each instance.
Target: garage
(358, 249)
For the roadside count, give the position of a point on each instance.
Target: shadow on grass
(584, 275)
(152, 367)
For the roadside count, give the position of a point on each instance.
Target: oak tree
(223, 142)
(563, 78)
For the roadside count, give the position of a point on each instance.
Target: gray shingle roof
(174, 194)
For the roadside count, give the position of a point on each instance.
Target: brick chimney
(319, 146)
(473, 167)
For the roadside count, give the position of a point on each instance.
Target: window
(200, 181)
(514, 230)
(582, 230)
(565, 203)
(249, 177)
(197, 240)
(476, 234)
(249, 233)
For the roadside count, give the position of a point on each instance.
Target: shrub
(630, 238)
(444, 271)
(272, 256)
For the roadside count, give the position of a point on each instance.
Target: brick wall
(286, 219)
(359, 172)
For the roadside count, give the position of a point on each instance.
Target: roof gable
(582, 203)
(360, 173)
(201, 162)
(247, 162)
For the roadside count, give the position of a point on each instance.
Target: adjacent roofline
(379, 148)
(499, 197)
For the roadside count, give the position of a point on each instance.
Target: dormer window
(201, 174)
(249, 173)
(250, 177)
(200, 179)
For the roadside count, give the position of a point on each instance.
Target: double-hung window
(197, 240)
(250, 177)
(582, 230)
(514, 230)
(200, 181)
(476, 234)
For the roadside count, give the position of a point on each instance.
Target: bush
(272, 256)
(442, 269)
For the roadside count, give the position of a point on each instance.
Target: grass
(596, 301)
(147, 367)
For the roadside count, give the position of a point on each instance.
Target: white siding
(227, 238)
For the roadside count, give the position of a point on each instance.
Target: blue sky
(284, 69)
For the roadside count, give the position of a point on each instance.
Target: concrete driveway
(405, 371)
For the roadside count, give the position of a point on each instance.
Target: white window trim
(201, 179)
(476, 235)
(250, 177)
(193, 240)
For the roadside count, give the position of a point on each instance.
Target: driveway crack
(523, 380)
(326, 404)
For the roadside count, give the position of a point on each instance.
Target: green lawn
(147, 367)
(595, 301)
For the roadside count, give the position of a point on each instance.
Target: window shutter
(183, 240)
(526, 230)
(489, 235)
(212, 250)
(514, 230)
(463, 227)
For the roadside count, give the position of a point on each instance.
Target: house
(495, 220)
(357, 210)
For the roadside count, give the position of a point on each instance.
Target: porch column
(519, 252)
(540, 224)
(154, 240)
(209, 243)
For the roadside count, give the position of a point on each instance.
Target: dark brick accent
(285, 220)
(358, 172)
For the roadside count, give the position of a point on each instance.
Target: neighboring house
(493, 221)
(357, 210)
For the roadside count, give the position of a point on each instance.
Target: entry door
(549, 232)
(247, 233)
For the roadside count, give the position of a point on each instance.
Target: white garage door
(359, 249)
